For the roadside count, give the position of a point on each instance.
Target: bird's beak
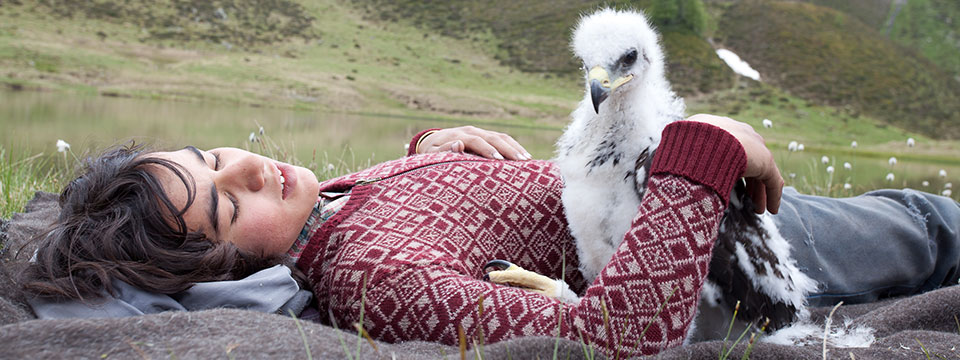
(601, 86)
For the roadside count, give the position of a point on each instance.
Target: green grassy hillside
(533, 36)
(814, 53)
(931, 27)
(336, 56)
(340, 62)
(427, 59)
(822, 54)
(874, 13)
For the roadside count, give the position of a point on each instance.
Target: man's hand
(486, 143)
(764, 183)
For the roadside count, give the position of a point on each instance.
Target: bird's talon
(497, 265)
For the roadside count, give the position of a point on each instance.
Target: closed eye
(233, 200)
(236, 209)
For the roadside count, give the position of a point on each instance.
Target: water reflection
(35, 121)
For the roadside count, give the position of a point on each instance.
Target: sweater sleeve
(412, 147)
(662, 261)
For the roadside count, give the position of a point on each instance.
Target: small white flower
(800, 147)
(853, 144)
(847, 186)
(793, 175)
(892, 161)
(62, 146)
(830, 169)
(253, 137)
(767, 123)
(947, 193)
(925, 183)
(943, 173)
(847, 166)
(792, 146)
(948, 186)
(911, 142)
(330, 167)
(261, 130)
(890, 177)
(824, 159)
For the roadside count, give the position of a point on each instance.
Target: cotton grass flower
(943, 173)
(854, 144)
(948, 186)
(330, 167)
(792, 146)
(890, 177)
(847, 166)
(892, 161)
(800, 147)
(261, 130)
(947, 193)
(830, 170)
(767, 123)
(63, 146)
(824, 159)
(847, 186)
(253, 137)
(793, 175)
(911, 142)
(925, 183)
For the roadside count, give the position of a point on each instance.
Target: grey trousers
(881, 244)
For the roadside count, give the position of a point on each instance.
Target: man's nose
(247, 172)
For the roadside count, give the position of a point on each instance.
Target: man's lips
(288, 180)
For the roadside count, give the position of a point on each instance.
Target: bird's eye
(629, 58)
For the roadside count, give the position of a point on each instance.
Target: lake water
(34, 121)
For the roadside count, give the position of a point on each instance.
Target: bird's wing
(748, 270)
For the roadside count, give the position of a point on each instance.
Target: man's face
(256, 203)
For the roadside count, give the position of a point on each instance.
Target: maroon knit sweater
(408, 247)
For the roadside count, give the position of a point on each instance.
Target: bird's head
(617, 48)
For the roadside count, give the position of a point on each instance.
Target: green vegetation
(821, 54)
(233, 22)
(828, 77)
(928, 26)
(534, 36)
(693, 66)
(354, 66)
(678, 14)
(22, 175)
(933, 28)
(874, 13)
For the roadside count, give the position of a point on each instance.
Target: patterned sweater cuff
(703, 153)
(412, 148)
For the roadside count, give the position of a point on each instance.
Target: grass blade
(674, 291)
(826, 327)
(343, 343)
(723, 350)
(303, 336)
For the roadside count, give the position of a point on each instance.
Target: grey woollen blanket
(900, 326)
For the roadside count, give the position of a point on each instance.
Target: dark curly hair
(115, 224)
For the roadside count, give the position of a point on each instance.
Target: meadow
(351, 90)
(354, 93)
(336, 143)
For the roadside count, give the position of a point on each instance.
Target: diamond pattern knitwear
(408, 247)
